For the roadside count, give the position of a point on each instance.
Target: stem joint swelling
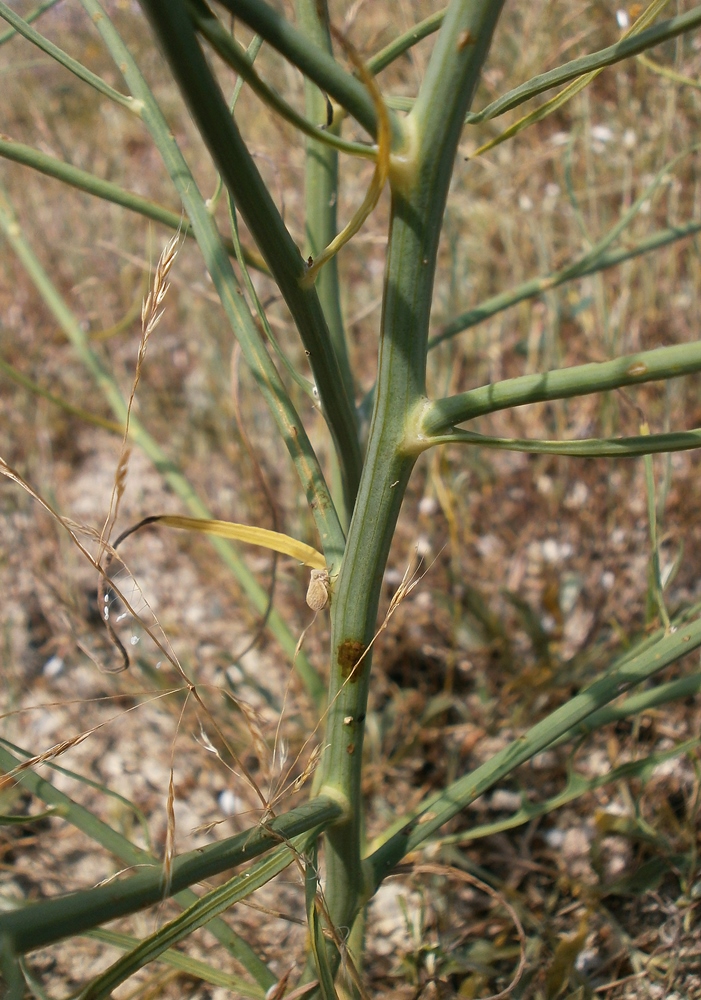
(416, 437)
(332, 792)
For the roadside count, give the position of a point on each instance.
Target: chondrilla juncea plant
(408, 147)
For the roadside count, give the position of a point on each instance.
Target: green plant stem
(577, 786)
(625, 447)
(405, 41)
(118, 845)
(594, 259)
(252, 198)
(32, 16)
(51, 920)
(76, 67)
(200, 913)
(168, 469)
(321, 197)
(643, 701)
(316, 64)
(585, 64)
(226, 46)
(537, 286)
(74, 411)
(419, 189)
(562, 383)
(82, 180)
(416, 827)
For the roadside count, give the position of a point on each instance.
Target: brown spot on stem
(465, 38)
(350, 749)
(349, 657)
(637, 368)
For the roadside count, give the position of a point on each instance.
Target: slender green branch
(226, 46)
(51, 920)
(585, 64)
(573, 88)
(316, 64)
(404, 42)
(643, 701)
(321, 199)
(210, 905)
(645, 444)
(577, 786)
(118, 845)
(82, 180)
(561, 383)
(579, 269)
(64, 404)
(415, 828)
(71, 64)
(252, 198)
(29, 19)
(192, 967)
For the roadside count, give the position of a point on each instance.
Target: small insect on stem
(318, 589)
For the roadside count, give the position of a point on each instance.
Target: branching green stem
(118, 845)
(235, 56)
(82, 180)
(404, 42)
(252, 198)
(579, 269)
(416, 827)
(54, 919)
(419, 189)
(75, 67)
(316, 63)
(563, 383)
(585, 64)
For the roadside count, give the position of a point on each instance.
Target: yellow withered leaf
(274, 540)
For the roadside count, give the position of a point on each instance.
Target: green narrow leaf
(555, 103)
(625, 447)
(190, 966)
(625, 49)
(210, 905)
(634, 667)
(317, 941)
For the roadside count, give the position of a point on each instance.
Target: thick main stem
(420, 177)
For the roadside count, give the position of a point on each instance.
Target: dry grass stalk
(151, 314)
